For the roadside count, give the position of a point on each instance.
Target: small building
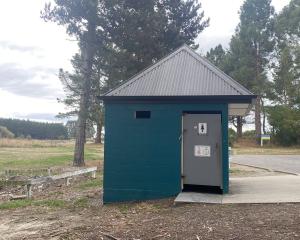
(166, 129)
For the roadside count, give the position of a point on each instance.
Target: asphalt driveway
(284, 163)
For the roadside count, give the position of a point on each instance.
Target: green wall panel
(142, 157)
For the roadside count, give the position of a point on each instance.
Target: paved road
(285, 163)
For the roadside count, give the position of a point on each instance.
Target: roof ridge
(222, 81)
(146, 70)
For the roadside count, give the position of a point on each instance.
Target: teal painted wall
(142, 157)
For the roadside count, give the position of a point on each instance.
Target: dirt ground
(154, 220)
(80, 214)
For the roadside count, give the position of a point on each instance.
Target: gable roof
(181, 73)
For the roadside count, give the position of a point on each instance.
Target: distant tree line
(30, 129)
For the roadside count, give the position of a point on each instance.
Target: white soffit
(238, 109)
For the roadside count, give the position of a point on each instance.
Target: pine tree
(144, 31)
(286, 86)
(285, 92)
(118, 38)
(82, 20)
(217, 56)
(250, 49)
(220, 58)
(287, 24)
(72, 83)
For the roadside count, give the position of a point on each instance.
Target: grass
(91, 183)
(249, 146)
(15, 204)
(35, 154)
(81, 202)
(267, 150)
(50, 203)
(29, 202)
(32, 143)
(5, 183)
(235, 171)
(124, 208)
(30, 156)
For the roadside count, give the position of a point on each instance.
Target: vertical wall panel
(143, 156)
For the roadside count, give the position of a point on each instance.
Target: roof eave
(208, 98)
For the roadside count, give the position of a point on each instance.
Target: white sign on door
(201, 151)
(202, 128)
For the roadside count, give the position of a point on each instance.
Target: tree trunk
(257, 104)
(87, 54)
(99, 132)
(257, 119)
(239, 127)
(264, 116)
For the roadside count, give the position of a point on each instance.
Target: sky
(32, 51)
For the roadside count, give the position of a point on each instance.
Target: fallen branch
(160, 235)
(17, 197)
(109, 236)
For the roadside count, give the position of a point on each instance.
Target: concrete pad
(193, 197)
(269, 189)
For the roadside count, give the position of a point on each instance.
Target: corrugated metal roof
(182, 73)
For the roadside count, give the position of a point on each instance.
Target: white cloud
(31, 52)
(12, 105)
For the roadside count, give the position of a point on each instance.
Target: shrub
(5, 133)
(249, 134)
(285, 122)
(232, 136)
(21, 136)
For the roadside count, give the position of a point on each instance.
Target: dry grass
(267, 151)
(249, 147)
(245, 142)
(20, 154)
(32, 143)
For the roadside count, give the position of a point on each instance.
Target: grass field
(249, 146)
(36, 154)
